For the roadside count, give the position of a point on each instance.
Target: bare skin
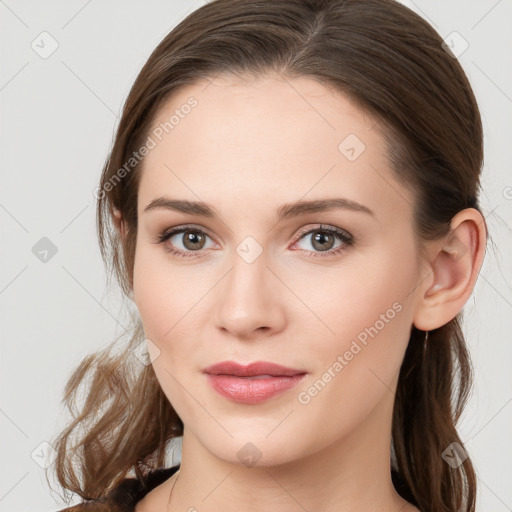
(247, 148)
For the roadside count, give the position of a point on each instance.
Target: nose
(249, 302)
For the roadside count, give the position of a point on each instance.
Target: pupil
(319, 237)
(194, 238)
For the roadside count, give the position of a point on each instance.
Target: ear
(454, 265)
(119, 222)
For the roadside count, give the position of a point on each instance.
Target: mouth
(254, 383)
(259, 368)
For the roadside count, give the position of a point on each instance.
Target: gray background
(57, 122)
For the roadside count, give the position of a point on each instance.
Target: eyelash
(347, 239)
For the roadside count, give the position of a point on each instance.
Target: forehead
(264, 141)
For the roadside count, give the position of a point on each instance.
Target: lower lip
(247, 390)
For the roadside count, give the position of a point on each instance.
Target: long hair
(395, 67)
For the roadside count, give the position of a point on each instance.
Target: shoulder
(126, 494)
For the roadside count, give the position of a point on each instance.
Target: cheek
(365, 329)
(153, 291)
(168, 296)
(344, 301)
(362, 312)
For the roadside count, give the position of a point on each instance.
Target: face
(327, 291)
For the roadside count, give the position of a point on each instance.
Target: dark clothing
(125, 495)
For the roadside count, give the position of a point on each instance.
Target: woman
(291, 202)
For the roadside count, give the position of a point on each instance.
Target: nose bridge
(248, 279)
(248, 299)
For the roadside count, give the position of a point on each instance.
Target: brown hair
(393, 65)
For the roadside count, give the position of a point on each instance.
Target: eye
(323, 238)
(192, 240)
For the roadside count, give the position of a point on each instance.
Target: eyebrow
(286, 211)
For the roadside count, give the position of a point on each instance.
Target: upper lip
(250, 370)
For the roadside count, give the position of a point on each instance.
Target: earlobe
(119, 222)
(455, 266)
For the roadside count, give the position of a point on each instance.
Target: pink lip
(244, 384)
